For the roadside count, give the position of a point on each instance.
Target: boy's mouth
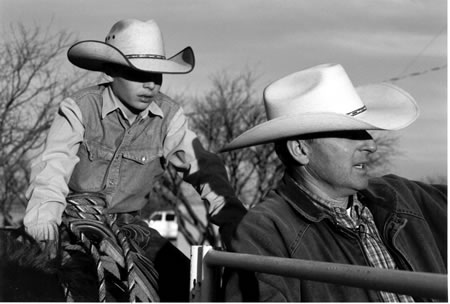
(145, 98)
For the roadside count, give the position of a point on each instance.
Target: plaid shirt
(358, 217)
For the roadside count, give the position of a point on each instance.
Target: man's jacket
(410, 216)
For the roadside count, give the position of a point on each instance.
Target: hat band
(145, 56)
(357, 111)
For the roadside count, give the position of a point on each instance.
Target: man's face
(136, 91)
(338, 162)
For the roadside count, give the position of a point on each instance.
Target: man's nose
(370, 145)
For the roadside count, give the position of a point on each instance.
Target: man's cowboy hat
(323, 99)
(131, 43)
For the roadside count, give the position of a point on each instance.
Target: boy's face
(136, 90)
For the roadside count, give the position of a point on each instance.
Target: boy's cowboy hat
(132, 43)
(323, 99)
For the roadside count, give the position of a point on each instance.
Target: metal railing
(206, 264)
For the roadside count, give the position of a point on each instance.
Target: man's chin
(363, 184)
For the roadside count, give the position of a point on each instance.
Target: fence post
(205, 280)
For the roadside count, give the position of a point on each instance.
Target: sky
(374, 40)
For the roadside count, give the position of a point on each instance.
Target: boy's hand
(47, 235)
(43, 232)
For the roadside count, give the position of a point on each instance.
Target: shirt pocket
(138, 170)
(96, 152)
(89, 173)
(142, 157)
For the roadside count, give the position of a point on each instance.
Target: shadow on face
(134, 75)
(288, 161)
(347, 134)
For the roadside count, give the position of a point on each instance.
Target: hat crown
(322, 89)
(135, 37)
(323, 99)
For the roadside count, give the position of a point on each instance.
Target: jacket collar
(378, 197)
(381, 200)
(299, 200)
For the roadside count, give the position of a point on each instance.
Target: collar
(380, 199)
(111, 103)
(327, 203)
(335, 209)
(299, 199)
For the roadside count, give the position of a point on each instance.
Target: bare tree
(170, 192)
(31, 81)
(380, 162)
(231, 107)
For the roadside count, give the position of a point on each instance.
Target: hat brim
(96, 55)
(388, 108)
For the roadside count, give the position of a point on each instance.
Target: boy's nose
(149, 85)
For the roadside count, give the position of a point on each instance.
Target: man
(326, 208)
(114, 139)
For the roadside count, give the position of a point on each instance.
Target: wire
(422, 51)
(434, 69)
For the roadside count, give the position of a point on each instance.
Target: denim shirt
(410, 216)
(119, 159)
(92, 147)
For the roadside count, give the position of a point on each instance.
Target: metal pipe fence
(206, 263)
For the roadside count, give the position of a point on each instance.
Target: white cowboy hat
(132, 43)
(323, 99)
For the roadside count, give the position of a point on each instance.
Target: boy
(115, 138)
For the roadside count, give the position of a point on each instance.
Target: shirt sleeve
(51, 171)
(203, 170)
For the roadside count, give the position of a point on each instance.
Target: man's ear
(299, 150)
